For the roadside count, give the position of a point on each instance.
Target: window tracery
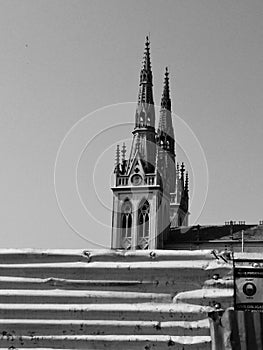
(126, 225)
(143, 225)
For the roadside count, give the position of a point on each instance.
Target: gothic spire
(165, 121)
(145, 89)
(144, 131)
(165, 132)
(166, 101)
(146, 58)
(165, 126)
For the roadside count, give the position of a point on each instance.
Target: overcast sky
(62, 60)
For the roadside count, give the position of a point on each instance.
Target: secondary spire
(165, 127)
(166, 101)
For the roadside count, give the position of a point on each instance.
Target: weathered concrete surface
(104, 327)
(144, 311)
(128, 342)
(104, 299)
(24, 296)
(207, 296)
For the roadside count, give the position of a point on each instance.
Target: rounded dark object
(249, 289)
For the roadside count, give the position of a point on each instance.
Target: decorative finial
(117, 160)
(149, 35)
(177, 169)
(186, 187)
(146, 63)
(182, 169)
(123, 151)
(147, 41)
(118, 155)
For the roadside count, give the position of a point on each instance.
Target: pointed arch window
(148, 121)
(142, 118)
(143, 225)
(126, 224)
(180, 221)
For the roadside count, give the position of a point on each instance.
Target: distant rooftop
(228, 231)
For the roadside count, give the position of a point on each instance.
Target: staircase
(72, 299)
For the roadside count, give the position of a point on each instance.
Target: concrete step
(27, 256)
(207, 297)
(109, 342)
(20, 327)
(11, 282)
(170, 285)
(57, 296)
(136, 312)
(149, 270)
(219, 283)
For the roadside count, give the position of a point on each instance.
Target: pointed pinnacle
(145, 86)
(146, 62)
(118, 155)
(166, 77)
(123, 151)
(186, 182)
(166, 101)
(182, 169)
(146, 58)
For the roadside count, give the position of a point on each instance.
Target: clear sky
(62, 60)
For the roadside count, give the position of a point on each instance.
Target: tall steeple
(165, 134)
(145, 199)
(165, 130)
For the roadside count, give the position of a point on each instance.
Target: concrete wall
(73, 299)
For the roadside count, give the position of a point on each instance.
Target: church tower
(144, 181)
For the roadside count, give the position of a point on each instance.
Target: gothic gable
(136, 172)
